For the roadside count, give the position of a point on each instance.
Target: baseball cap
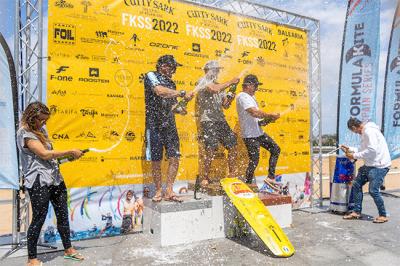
(168, 59)
(251, 79)
(212, 64)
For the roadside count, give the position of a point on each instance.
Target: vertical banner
(359, 67)
(8, 151)
(391, 104)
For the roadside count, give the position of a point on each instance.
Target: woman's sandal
(352, 216)
(74, 256)
(174, 198)
(380, 220)
(157, 198)
(35, 264)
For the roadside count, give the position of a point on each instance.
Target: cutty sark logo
(162, 5)
(63, 4)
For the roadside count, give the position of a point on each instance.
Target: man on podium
(214, 129)
(252, 134)
(161, 131)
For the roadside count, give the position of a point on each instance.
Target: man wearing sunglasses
(161, 132)
(252, 134)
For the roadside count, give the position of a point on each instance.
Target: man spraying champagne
(214, 129)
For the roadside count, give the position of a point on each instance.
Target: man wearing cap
(252, 134)
(161, 131)
(214, 129)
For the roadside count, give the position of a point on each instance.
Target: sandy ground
(392, 182)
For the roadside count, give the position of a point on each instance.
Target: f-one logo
(64, 33)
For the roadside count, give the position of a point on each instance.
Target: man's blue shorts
(158, 138)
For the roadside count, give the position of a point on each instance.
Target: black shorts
(159, 138)
(213, 133)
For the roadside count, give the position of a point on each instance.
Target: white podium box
(170, 223)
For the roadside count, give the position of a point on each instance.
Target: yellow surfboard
(256, 214)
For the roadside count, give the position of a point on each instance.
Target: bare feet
(34, 262)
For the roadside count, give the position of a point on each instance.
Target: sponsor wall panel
(359, 67)
(99, 53)
(391, 112)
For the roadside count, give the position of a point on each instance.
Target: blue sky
(331, 14)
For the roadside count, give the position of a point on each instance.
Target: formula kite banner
(99, 52)
(391, 109)
(8, 91)
(359, 67)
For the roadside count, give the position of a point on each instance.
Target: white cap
(213, 64)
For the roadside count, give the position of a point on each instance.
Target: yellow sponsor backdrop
(99, 51)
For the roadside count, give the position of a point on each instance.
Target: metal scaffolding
(28, 47)
(312, 27)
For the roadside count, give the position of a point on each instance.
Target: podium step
(171, 223)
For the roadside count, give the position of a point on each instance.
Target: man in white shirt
(375, 153)
(252, 134)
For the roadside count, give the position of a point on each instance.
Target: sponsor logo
(88, 159)
(86, 4)
(223, 53)
(155, 4)
(116, 60)
(395, 63)
(99, 58)
(109, 95)
(196, 47)
(109, 115)
(290, 34)
(63, 4)
(164, 45)
(86, 135)
(199, 14)
(94, 72)
(245, 54)
(88, 112)
(59, 92)
(58, 54)
(260, 61)
(93, 76)
(111, 135)
(135, 39)
(54, 109)
(240, 190)
(115, 32)
(244, 60)
(101, 34)
(60, 136)
(82, 57)
(130, 136)
(59, 70)
(123, 77)
(360, 48)
(254, 26)
(64, 33)
(137, 158)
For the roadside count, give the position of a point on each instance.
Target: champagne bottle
(265, 121)
(69, 158)
(232, 91)
(180, 108)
